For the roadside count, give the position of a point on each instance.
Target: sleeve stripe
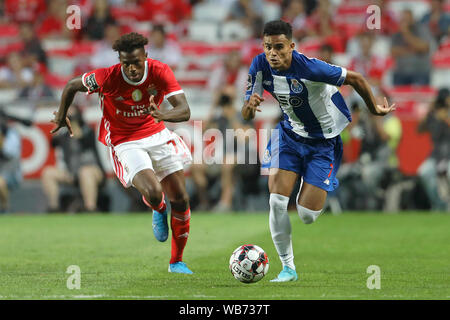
(342, 77)
(257, 86)
(173, 93)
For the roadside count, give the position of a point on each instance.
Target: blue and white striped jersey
(312, 105)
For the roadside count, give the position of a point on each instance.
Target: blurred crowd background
(398, 162)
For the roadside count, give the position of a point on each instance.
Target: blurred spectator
(230, 175)
(248, 12)
(434, 173)
(437, 20)
(32, 52)
(104, 55)
(10, 153)
(163, 49)
(295, 14)
(230, 73)
(365, 182)
(20, 11)
(37, 89)
(53, 25)
(326, 53)
(320, 25)
(411, 48)
(81, 166)
(370, 65)
(99, 19)
(14, 74)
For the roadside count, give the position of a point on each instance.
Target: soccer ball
(249, 263)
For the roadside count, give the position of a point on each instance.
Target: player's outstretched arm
(357, 81)
(61, 119)
(180, 112)
(251, 106)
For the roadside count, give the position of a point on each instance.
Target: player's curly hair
(130, 41)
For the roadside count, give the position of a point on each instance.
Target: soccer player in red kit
(144, 153)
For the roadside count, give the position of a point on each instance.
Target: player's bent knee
(308, 216)
(153, 194)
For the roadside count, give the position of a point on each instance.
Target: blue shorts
(316, 160)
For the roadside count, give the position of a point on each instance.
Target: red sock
(179, 223)
(161, 207)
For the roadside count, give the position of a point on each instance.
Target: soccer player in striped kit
(144, 153)
(306, 144)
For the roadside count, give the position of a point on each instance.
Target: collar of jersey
(132, 82)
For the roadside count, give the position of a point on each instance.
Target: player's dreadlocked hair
(277, 27)
(130, 41)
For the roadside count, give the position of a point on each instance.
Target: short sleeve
(169, 83)
(254, 79)
(95, 80)
(320, 71)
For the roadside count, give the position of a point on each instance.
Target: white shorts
(164, 153)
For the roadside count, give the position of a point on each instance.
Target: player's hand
(254, 102)
(61, 122)
(154, 111)
(385, 108)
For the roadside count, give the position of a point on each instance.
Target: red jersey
(121, 100)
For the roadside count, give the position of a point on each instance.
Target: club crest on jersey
(136, 95)
(296, 86)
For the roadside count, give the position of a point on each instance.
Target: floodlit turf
(120, 259)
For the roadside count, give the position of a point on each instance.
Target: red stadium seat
(441, 58)
(127, 14)
(9, 31)
(11, 47)
(74, 50)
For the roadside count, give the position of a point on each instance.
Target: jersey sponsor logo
(283, 99)
(296, 86)
(136, 111)
(136, 95)
(295, 101)
(119, 98)
(91, 82)
(249, 82)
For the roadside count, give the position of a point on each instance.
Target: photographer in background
(81, 166)
(434, 172)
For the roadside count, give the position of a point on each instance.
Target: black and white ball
(249, 263)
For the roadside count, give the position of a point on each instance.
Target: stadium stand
(205, 36)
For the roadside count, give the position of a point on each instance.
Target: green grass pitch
(120, 259)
